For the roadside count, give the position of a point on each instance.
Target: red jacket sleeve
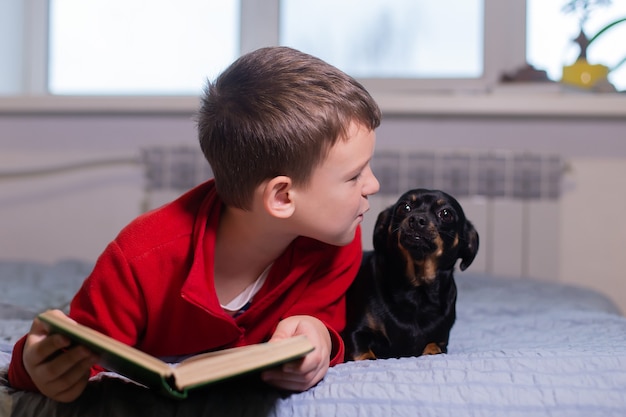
(18, 377)
(91, 307)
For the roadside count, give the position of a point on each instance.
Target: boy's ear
(277, 198)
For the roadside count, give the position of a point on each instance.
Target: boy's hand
(302, 374)
(59, 371)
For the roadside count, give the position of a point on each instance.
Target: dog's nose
(418, 222)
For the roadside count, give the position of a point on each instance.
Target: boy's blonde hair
(276, 111)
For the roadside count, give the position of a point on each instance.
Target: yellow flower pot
(583, 74)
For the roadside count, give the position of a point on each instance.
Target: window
(389, 39)
(100, 47)
(140, 47)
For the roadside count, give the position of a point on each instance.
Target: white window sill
(99, 105)
(507, 104)
(517, 104)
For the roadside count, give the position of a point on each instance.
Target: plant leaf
(605, 28)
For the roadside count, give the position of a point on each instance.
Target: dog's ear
(469, 245)
(381, 230)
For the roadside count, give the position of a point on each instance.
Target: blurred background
(97, 103)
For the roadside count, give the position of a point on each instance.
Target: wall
(74, 215)
(591, 223)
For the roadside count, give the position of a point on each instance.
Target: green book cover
(175, 380)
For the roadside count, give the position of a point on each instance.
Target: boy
(264, 251)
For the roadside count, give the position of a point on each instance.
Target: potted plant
(582, 73)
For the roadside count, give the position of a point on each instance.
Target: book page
(215, 366)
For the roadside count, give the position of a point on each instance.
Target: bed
(519, 348)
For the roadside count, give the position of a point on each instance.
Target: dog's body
(402, 302)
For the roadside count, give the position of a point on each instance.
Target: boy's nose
(371, 185)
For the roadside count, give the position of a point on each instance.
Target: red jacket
(152, 288)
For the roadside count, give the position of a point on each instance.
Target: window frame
(30, 59)
(259, 27)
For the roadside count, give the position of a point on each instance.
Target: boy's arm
(27, 351)
(110, 299)
(319, 313)
(325, 298)
(91, 307)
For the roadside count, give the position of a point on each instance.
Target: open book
(175, 380)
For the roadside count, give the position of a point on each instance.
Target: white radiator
(513, 199)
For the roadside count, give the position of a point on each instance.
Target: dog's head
(429, 231)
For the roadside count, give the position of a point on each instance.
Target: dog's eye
(403, 208)
(446, 216)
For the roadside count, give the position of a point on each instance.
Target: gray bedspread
(518, 348)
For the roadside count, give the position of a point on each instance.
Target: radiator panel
(513, 199)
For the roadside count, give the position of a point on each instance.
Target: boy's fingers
(41, 347)
(71, 361)
(69, 385)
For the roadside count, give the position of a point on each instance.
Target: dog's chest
(418, 305)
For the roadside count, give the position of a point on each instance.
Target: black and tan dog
(402, 302)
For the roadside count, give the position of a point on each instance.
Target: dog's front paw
(364, 356)
(432, 349)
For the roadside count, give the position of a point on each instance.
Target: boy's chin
(340, 240)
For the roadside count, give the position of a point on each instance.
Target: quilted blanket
(519, 348)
